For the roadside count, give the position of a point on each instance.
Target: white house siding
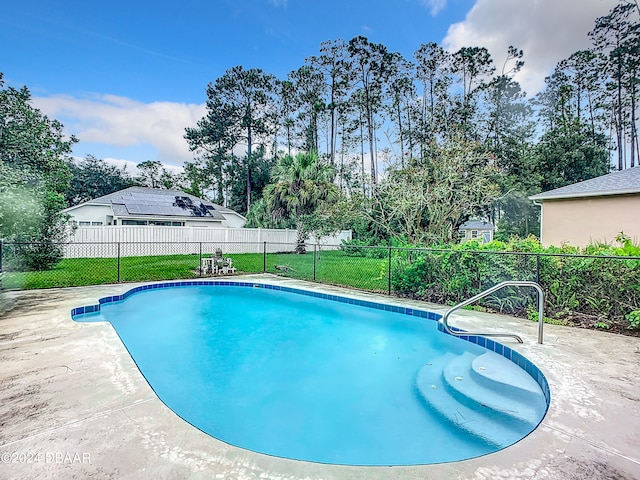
(104, 213)
(201, 224)
(233, 220)
(91, 242)
(93, 214)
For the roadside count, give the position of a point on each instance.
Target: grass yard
(333, 267)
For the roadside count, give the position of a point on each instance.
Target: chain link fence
(599, 287)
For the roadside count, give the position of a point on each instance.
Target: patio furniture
(217, 265)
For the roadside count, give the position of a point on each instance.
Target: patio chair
(222, 265)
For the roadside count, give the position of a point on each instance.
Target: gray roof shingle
(477, 225)
(144, 201)
(614, 183)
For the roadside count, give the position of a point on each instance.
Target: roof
(477, 225)
(615, 183)
(145, 201)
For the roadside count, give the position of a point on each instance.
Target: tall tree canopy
(33, 176)
(376, 115)
(241, 113)
(93, 178)
(299, 186)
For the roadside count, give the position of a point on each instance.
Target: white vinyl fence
(131, 240)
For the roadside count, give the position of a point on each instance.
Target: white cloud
(132, 166)
(547, 30)
(435, 6)
(122, 122)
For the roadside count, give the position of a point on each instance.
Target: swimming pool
(323, 378)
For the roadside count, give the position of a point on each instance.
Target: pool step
(522, 408)
(480, 403)
(495, 371)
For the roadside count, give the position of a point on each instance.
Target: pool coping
(90, 397)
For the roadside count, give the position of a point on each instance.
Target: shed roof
(477, 225)
(614, 183)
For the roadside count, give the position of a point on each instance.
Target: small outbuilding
(592, 211)
(477, 229)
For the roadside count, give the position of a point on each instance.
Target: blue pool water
(311, 379)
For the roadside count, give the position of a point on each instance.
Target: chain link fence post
(200, 260)
(118, 262)
(264, 257)
(314, 261)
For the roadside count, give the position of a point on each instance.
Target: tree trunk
(300, 246)
(364, 191)
(248, 168)
(371, 149)
(634, 133)
(619, 125)
(400, 131)
(332, 154)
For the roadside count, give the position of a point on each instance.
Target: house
(152, 206)
(595, 210)
(473, 229)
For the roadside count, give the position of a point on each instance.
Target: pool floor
(309, 379)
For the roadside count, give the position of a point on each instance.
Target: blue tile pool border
(481, 341)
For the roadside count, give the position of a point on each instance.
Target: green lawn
(333, 267)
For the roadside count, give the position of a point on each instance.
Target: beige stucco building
(592, 211)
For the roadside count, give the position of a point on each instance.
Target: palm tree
(299, 185)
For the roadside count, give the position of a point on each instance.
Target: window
(176, 224)
(96, 224)
(134, 222)
(474, 233)
(84, 224)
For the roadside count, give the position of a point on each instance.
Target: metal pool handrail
(445, 317)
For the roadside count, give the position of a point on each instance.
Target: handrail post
(389, 274)
(540, 314)
(264, 257)
(445, 318)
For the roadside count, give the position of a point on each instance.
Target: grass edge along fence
(600, 289)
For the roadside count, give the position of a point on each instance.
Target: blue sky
(127, 77)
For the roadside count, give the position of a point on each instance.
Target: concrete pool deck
(74, 405)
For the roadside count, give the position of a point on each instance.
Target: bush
(39, 256)
(358, 248)
(573, 284)
(353, 248)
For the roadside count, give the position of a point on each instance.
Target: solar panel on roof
(150, 210)
(179, 211)
(132, 208)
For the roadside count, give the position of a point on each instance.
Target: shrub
(573, 283)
